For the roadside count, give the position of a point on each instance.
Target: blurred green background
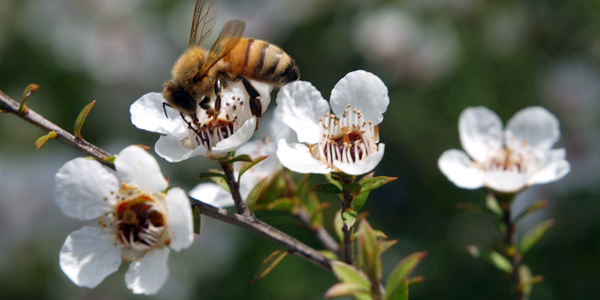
(437, 57)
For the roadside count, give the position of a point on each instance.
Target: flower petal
(459, 169)
(179, 219)
(148, 113)
(533, 127)
(136, 166)
(148, 274)
(363, 166)
(88, 256)
(480, 131)
(84, 189)
(211, 193)
(505, 181)
(554, 168)
(301, 105)
(236, 140)
(365, 92)
(298, 158)
(170, 148)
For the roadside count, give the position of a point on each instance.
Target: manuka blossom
(271, 130)
(346, 141)
(214, 137)
(509, 160)
(139, 220)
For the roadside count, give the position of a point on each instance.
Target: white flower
(214, 138)
(505, 161)
(347, 143)
(137, 219)
(265, 144)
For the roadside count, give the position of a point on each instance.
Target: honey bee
(200, 75)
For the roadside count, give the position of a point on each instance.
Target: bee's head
(179, 99)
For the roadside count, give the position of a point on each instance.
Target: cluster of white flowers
(140, 218)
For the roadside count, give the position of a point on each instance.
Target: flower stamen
(348, 139)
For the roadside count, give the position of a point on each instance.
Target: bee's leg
(219, 85)
(165, 104)
(255, 105)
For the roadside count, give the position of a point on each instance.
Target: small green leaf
(527, 280)
(349, 217)
(329, 254)
(196, 218)
(347, 273)
(219, 180)
(534, 235)
(338, 224)
(334, 181)
(399, 293)
(204, 175)
(41, 141)
(81, 119)
(525, 277)
(359, 201)
(282, 204)
(254, 193)
(344, 289)
(375, 182)
(30, 89)
(326, 188)
(397, 280)
(251, 164)
(110, 159)
(492, 205)
(535, 206)
(386, 245)
(491, 257)
(269, 264)
(367, 249)
(353, 188)
(241, 157)
(415, 280)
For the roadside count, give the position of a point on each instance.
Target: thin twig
(510, 240)
(266, 231)
(9, 105)
(234, 187)
(347, 230)
(244, 221)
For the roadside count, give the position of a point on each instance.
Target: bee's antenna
(165, 104)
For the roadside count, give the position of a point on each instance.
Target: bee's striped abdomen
(259, 60)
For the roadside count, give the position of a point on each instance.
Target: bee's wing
(230, 35)
(205, 17)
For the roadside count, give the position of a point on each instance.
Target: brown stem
(264, 230)
(347, 230)
(9, 105)
(510, 240)
(244, 221)
(234, 187)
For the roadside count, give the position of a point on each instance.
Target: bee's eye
(185, 101)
